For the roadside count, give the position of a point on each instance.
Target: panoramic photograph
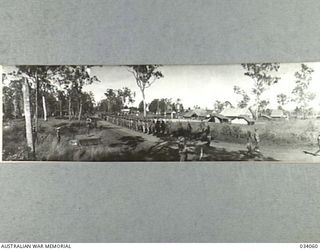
(245, 112)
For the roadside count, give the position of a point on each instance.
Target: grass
(302, 132)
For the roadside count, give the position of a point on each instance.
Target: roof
(246, 118)
(236, 112)
(219, 116)
(197, 113)
(263, 116)
(277, 113)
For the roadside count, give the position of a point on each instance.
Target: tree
(245, 97)
(302, 96)
(117, 99)
(154, 106)
(282, 100)
(23, 78)
(178, 106)
(126, 96)
(142, 106)
(263, 106)
(7, 102)
(145, 76)
(262, 75)
(40, 77)
(164, 105)
(73, 79)
(27, 114)
(220, 106)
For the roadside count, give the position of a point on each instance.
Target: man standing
(183, 150)
(88, 123)
(256, 141)
(58, 134)
(318, 140)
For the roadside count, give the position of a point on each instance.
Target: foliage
(302, 96)
(282, 100)
(219, 106)
(145, 76)
(245, 97)
(116, 99)
(262, 75)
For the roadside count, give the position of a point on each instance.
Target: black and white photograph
(244, 112)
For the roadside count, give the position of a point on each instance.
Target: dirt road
(122, 144)
(278, 153)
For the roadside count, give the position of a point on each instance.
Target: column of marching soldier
(148, 126)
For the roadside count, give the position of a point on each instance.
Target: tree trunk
(144, 104)
(69, 100)
(80, 111)
(15, 105)
(60, 107)
(27, 113)
(44, 108)
(36, 112)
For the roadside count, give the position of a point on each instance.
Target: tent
(277, 113)
(196, 113)
(236, 112)
(217, 118)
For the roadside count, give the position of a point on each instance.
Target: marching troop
(147, 126)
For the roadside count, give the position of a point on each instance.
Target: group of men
(144, 125)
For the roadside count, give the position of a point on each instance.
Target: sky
(202, 85)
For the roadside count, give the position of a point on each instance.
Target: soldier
(143, 124)
(256, 140)
(88, 124)
(152, 126)
(58, 135)
(189, 130)
(148, 126)
(202, 126)
(157, 126)
(208, 134)
(318, 141)
(183, 150)
(168, 126)
(163, 127)
(34, 136)
(249, 142)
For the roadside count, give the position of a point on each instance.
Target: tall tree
(73, 79)
(154, 106)
(301, 93)
(219, 106)
(262, 76)
(282, 100)
(27, 113)
(142, 106)
(145, 76)
(15, 76)
(126, 95)
(245, 97)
